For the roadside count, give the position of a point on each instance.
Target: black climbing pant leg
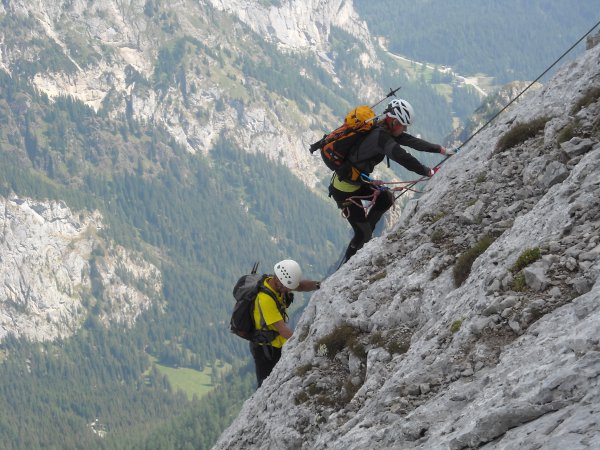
(385, 200)
(265, 358)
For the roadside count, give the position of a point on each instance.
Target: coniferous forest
(183, 212)
(509, 40)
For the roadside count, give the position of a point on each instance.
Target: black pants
(265, 358)
(362, 226)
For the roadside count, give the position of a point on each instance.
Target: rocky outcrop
(491, 105)
(111, 63)
(475, 322)
(302, 25)
(55, 267)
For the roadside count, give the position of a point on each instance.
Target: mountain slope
(474, 323)
(119, 249)
(512, 40)
(172, 127)
(201, 73)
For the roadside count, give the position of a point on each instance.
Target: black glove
(288, 299)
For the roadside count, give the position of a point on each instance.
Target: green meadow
(193, 382)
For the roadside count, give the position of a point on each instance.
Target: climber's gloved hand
(447, 151)
(433, 171)
(289, 298)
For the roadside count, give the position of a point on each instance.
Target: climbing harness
(358, 201)
(367, 201)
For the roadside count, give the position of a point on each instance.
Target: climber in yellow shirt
(270, 313)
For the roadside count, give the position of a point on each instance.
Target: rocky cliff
(51, 262)
(475, 322)
(108, 54)
(303, 25)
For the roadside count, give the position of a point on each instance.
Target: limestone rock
(55, 267)
(489, 363)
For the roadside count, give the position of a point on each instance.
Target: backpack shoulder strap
(270, 293)
(261, 288)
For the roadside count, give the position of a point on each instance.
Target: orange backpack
(337, 145)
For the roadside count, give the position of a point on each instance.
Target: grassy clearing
(591, 96)
(521, 132)
(528, 257)
(456, 325)
(190, 381)
(444, 90)
(344, 336)
(462, 268)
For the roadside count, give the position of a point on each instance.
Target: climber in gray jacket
(383, 140)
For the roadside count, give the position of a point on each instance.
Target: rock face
(392, 353)
(491, 104)
(299, 25)
(122, 40)
(54, 267)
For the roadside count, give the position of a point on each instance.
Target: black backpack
(242, 319)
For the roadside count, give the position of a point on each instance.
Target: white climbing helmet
(400, 110)
(289, 273)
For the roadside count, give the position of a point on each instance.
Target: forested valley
(182, 211)
(509, 40)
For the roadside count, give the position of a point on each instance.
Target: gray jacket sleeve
(396, 153)
(417, 143)
(379, 143)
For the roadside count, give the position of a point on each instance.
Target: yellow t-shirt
(270, 312)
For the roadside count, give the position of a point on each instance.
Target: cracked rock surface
(394, 352)
(52, 260)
